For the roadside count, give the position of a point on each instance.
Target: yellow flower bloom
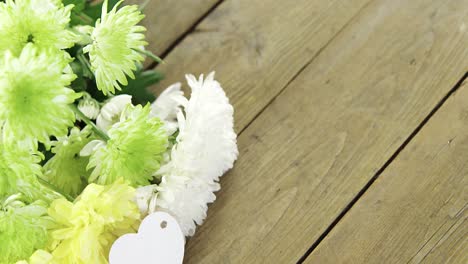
(89, 226)
(39, 257)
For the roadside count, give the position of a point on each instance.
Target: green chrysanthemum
(16, 165)
(23, 228)
(19, 170)
(33, 95)
(134, 151)
(67, 169)
(113, 50)
(41, 22)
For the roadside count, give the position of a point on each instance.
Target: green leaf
(77, 16)
(85, 65)
(79, 4)
(173, 137)
(94, 10)
(138, 88)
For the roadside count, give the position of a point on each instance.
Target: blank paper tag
(159, 240)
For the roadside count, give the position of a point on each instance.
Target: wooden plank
(257, 47)
(417, 209)
(321, 140)
(167, 20)
(451, 248)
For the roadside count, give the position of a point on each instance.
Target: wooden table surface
(352, 118)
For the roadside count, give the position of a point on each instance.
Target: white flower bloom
(206, 148)
(89, 106)
(110, 112)
(167, 105)
(146, 197)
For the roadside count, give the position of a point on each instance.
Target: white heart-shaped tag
(159, 240)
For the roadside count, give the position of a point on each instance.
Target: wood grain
(417, 209)
(257, 47)
(167, 20)
(452, 247)
(324, 137)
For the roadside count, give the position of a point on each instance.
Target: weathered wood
(257, 47)
(416, 211)
(452, 247)
(167, 20)
(322, 139)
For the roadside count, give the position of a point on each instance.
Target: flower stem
(149, 54)
(85, 18)
(143, 5)
(90, 123)
(55, 189)
(85, 62)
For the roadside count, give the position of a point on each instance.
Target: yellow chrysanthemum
(113, 52)
(89, 226)
(43, 23)
(34, 98)
(39, 257)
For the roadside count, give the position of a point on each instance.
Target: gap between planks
(191, 29)
(382, 169)
(306, 65)
(281, 90)
(179, 39)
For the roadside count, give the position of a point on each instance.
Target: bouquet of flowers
(85, 151)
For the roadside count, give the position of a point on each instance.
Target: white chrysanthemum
(113, 52)
(206, 148)
(167, 106)
(88, 106)
(146, 197)
(110, 112)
